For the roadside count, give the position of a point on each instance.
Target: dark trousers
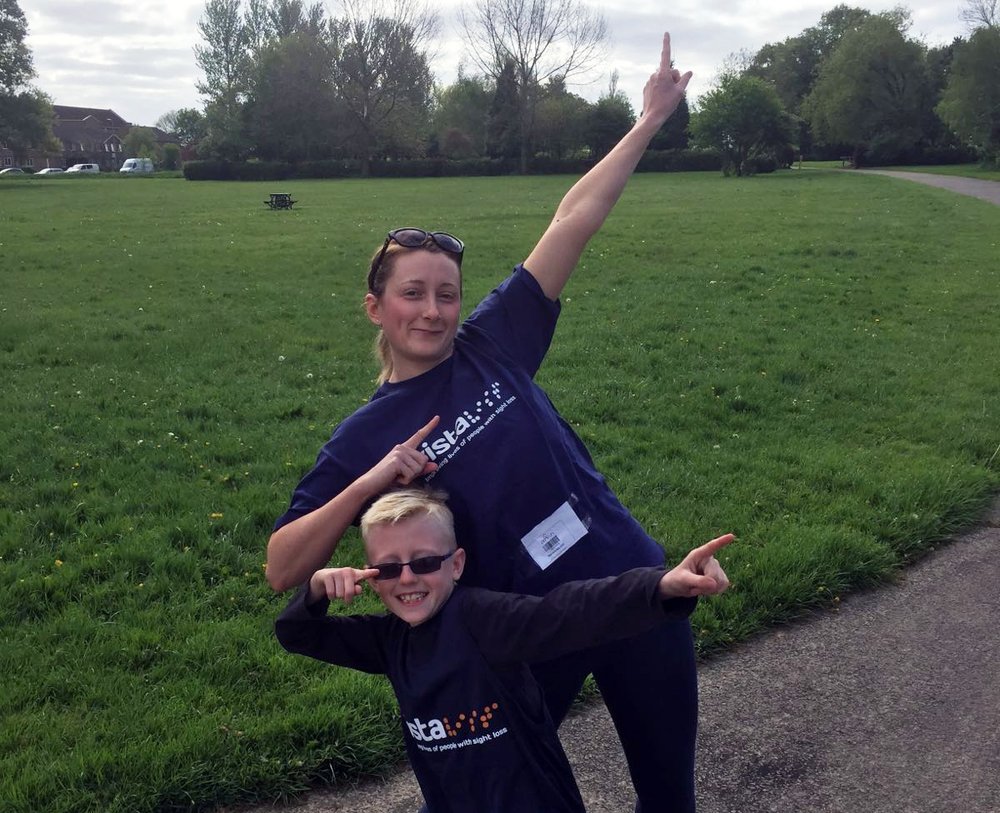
(649, 684)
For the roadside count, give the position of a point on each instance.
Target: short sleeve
(518, 317)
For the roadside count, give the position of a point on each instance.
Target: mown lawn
(808, 359)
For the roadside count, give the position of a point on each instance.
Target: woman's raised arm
(586, 206)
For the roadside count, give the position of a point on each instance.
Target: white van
(84, 168)
(132, 165)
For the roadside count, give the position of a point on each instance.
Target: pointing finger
(418, 436)
(665, 55)
(717, 544)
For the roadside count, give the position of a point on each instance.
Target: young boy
(476, 729)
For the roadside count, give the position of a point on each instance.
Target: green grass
(806, 359)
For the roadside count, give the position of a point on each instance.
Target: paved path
(975, 187)
(889, 704)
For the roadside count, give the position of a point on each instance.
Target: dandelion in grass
(215, 515)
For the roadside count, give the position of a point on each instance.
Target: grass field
(808, 359)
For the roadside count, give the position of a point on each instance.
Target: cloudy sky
(136, 56)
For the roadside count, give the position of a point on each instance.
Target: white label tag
(552, 537)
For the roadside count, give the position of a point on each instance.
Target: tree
(25, 113)
(382, 75)
(503, 131)
(792, 65)
(16, 68)
(541, 39)
(171, 156)
(225, 60)
(186, 123)
(292, 106)
(26, 121)
(744, 119)
(971, 101)
(609, 119)
(981, 14)
(139, 142)
(287, 17)
(872, 89)
(463, 108)
(561, 120)
(673, 135)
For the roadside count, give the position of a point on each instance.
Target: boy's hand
(342, 583)
(699, 574)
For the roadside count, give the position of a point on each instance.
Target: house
(88, 135)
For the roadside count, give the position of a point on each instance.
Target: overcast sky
(136, 57)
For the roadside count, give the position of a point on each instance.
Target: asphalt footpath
(887, 703)
(974, 187)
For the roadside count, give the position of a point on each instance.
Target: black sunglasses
(420, 567)
(410, 237)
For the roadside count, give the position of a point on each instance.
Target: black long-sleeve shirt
(477, 732)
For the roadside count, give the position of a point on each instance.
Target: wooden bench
(280, 200)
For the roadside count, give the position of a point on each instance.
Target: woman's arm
(586, 206)
(297, 550)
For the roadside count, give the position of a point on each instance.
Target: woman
(529, 505)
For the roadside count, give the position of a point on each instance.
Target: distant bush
(652, 161)
(760, 165)
(680, 161)
(328, 168)
(891, 152)
(207, 170)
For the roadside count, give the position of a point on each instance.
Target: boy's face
(414, 597)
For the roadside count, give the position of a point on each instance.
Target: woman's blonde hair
(383, 350)
(403, 503)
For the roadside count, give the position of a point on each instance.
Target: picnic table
(280, 200)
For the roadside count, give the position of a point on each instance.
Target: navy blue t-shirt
(514, 470)
(474, 721)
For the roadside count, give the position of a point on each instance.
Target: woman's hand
(665, 88)
(404, 462)
(699, 574)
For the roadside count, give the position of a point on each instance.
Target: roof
(93, 124)
(108, 118)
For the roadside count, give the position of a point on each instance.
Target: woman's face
(418, 311)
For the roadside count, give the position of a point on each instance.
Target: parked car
(12, 171)
(50, 171)
(84, 168)
(136, 165)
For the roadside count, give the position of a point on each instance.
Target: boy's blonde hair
(395, 506)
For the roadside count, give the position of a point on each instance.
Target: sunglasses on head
(410, 237)
(419, 567)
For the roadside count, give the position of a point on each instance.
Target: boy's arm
(577, 615)
(346, 640)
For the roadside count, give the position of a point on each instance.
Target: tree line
(285, 82)
(857, 85)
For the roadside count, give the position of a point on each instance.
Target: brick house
(88, 135)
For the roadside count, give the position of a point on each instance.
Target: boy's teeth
(410, 597)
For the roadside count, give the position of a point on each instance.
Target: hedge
(652, 161)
